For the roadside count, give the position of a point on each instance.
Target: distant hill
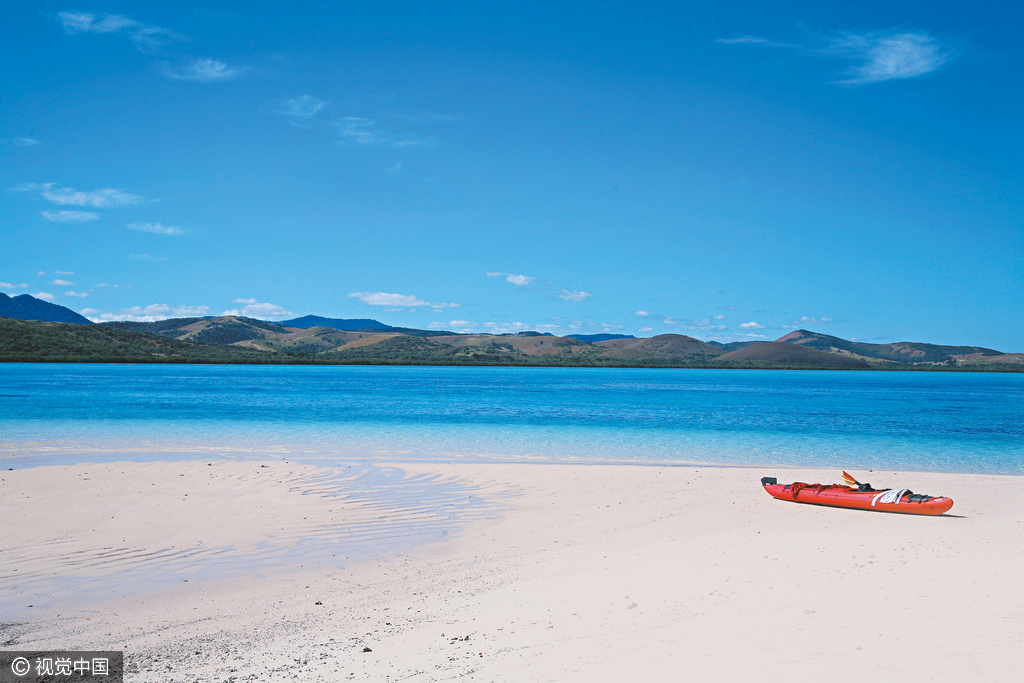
(768, 354)
(899, 352)
(670, 346)
(599, 337)
(27, 307)
(1005, 361)
(223, 330)
(348, 325)
(732, 346)
(34, 341)
(237, 339)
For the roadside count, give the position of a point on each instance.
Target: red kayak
(853, 494)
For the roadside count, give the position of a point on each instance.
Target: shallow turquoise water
(956, 422)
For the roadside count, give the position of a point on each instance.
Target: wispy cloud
(517, 280)
(19, 142)
(574, 295)
(682, 325)
(252, 308)
(303, 108)
(752, 326)
(755, 40)
(888, 57)
(428, 117)
(506, 328)
(878, 56)
(69, 216)
(462, 326)
(78, 294)
(804, 320)
(45, 296)
(398, 301)
(156, 228)
(81, 22)
(304, 111)
(146, 314)
(147, 39)
(8, 285)
(203, 70)
(105, 198)
(356, 130)
(63, 283)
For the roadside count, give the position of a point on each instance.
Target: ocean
(910, 421)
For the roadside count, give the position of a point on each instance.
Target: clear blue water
(953, 422)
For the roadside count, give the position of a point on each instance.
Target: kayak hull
(847, 497)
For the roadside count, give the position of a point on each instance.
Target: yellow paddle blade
(848, 480)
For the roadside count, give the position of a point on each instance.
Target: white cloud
(146, 314)
(888, 57)
(754, 40)
(64, 272)
(700, 325)
(81, 22)
(304, 107)
(703, 325)
(386, 299)
(752, 326)
(8, 285)
(45, 296)
(256, 309)
(62, 283)
(79, 294)
(646, 329)
(574, 295)
(147, 39)
(365, 132)
(880, 56)
(804, 320)
(398, 301)
(204, 70)
(156, 228)
(718, 317)
(428, 117)
(21, 142)
(505, 328)
(105, 198)
(455, 325)
(517, 280)
(69, 216)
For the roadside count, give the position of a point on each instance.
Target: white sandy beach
(564, 573)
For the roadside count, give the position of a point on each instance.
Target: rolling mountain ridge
(246, 340)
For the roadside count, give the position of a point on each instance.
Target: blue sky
(723, 170)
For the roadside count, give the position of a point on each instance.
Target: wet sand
(507, 572)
